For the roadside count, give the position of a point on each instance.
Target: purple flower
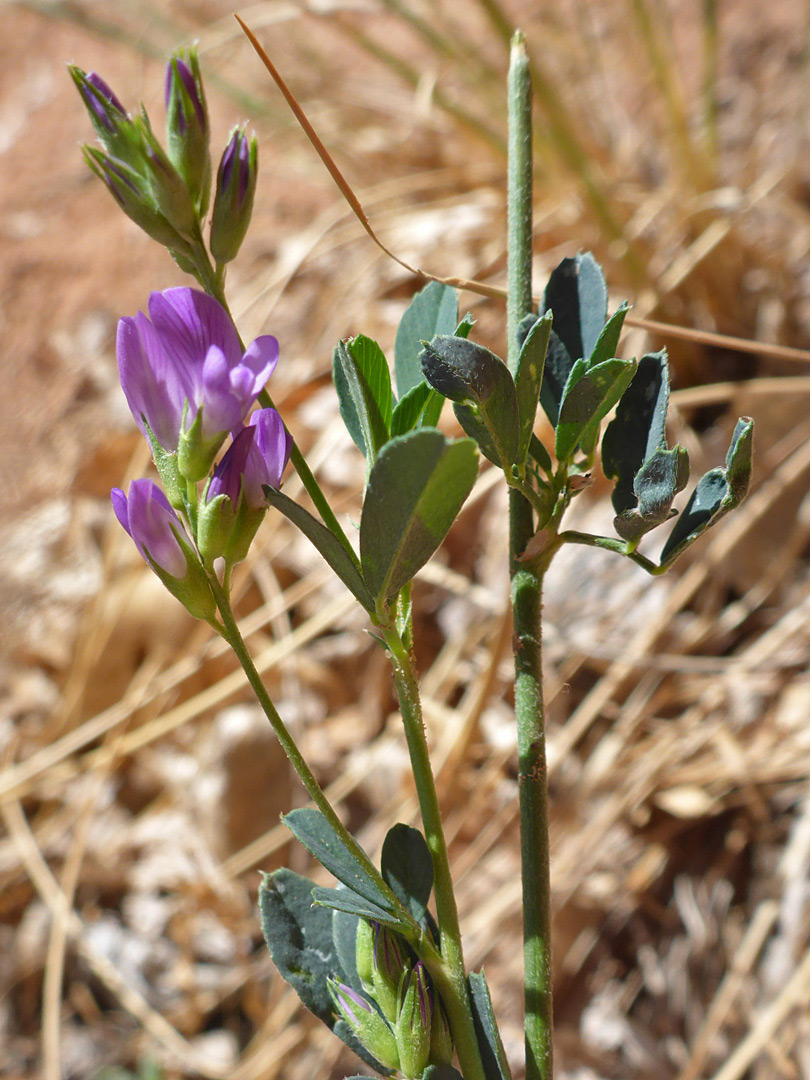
(257, 456)
(189, 351)
(151, 522)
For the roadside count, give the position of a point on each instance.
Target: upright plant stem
(457, 1004)
(526, 582)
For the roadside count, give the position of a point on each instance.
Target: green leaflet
(434, 310)
(407, 868)
(416, 488)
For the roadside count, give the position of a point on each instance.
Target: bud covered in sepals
(441, 1038)
(414, 1024)
(233, 202)
(388, 972)
(164, 544)
(104, 108)
(134, 196)
(187, 127)
(364, 952)
(169, 190)
(365, 1023)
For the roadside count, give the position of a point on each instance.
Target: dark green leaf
(432, 311)
(352, 903)
(470, 374)
(325, 541)
(577, 295)
(524, 326)
(472, 425)
(493, 1057)
(407, 867)
(540, 454)
(319, 838)
(409, 409)
(528, 380)
(638, 429)
(608, 341)
(415, 490)
(557, 369)
(299, 937)
(344, 936)
(441, 1072)
(657, 482)
(717, 492)
(363, 385)
(589, 395)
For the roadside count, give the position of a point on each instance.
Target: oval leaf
(434, 310)
(577, 295)
(407, 868)
(589, 395)
(416, 487)
(363, 385)
(528, 381)
(470, 374)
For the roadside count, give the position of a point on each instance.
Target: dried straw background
(139, 790)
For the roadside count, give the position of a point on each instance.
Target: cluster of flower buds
(167, 191)
(190, 386)
(397, 1016)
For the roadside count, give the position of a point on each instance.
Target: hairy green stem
(454, 995)
(526, 583)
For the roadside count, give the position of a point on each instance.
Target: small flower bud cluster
(397, 1016)
(166, 192)
(190, 386)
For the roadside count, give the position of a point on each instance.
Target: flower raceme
(185, 363)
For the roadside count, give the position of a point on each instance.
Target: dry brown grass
(139, 790)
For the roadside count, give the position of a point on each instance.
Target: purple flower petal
(154, 386)
(227, 478)
(150, 521)
(268, 455)
(189, 322)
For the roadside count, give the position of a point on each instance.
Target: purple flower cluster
(188, 381)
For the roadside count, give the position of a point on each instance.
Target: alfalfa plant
(379, 957)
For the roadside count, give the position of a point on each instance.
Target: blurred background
(140, 790)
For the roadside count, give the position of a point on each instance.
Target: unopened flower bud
(366, 1023)
(414, 1024)
(164, 544)
(103, 106)
(364, 952)
(233, 202)
(168, 188)
(133, 195)
(187, 127)
(389, 969)
(441, 1039)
